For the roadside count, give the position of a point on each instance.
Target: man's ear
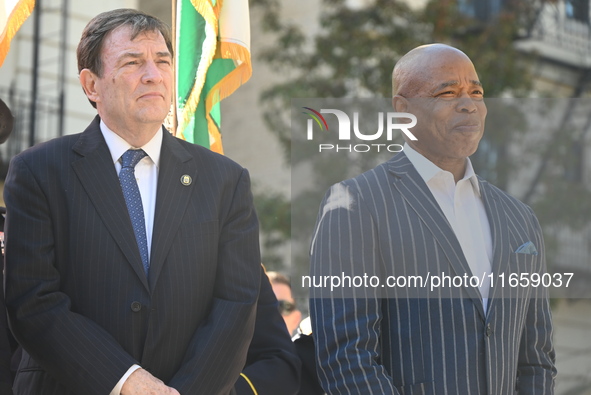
(88, 81)
(399, 103)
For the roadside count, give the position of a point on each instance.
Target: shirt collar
(427, 169)
(117, 145)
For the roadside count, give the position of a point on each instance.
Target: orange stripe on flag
(12, 15)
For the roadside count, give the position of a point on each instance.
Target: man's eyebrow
(130, 55)
(455, 83)
(137, 55)
(447, 84)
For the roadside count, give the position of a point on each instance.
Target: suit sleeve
(536, 369)
(5, 347)
(72, 348)
(346, 321)
(217, 352)
(272, 366)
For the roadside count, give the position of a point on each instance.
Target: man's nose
(151, 72)
(466, 104)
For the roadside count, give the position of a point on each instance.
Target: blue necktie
(133, 199)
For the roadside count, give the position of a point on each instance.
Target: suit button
(136, 307)
(488, 331)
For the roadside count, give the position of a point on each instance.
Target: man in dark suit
(6, 340)
(123, 279)
(425, 213)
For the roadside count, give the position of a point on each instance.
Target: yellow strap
(249, 383)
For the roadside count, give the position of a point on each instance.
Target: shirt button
(136, 307)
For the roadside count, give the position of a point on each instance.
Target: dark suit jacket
(309, 383)
(386, 222)
(5, 350)
(6, 340)
(77, 296)
(272, 364)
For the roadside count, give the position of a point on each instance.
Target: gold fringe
(232, 50)
(18, 15)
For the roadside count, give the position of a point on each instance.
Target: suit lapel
(499, 229)
(417, 195)
(97, 174)
(171, 199)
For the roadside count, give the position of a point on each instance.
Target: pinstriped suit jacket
(78, 298)
(389, 341)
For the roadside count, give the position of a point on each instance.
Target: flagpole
(174, 124)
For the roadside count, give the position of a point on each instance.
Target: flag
(212, 60)
(12, 15)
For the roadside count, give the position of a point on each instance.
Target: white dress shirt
(146, 175)
(464, 209)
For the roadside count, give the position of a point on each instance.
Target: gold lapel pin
(186, 180)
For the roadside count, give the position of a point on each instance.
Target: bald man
(425, 213)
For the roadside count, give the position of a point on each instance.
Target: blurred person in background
(287, 304)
